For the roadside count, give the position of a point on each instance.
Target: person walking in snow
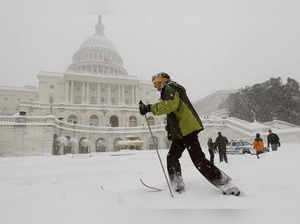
(221, 142)
(211, 149)
(273, 140)
(258, 145)
(183, 126)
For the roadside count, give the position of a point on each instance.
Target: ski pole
(156, 148)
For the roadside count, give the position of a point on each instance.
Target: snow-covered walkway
(105, 188)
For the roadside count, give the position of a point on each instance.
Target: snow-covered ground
(105, 188)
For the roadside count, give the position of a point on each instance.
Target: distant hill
(267, 101)
(213, 102)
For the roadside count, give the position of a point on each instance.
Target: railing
(79, 106)
(53, 121)
(242, 126)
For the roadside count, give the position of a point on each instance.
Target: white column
(132, 95)
(88, 93)
(109, 94)
(123, 94)
(119, 92)
(66, 91)
(85, 92)
(69, 91)
(98, 93)
(102, 93)
(82, 93)
(72, 92)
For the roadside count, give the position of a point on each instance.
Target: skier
(274, 140)
(211, 149)
(183, 126)
(221, 142)
(258, 145)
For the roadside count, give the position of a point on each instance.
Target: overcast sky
(206, 45)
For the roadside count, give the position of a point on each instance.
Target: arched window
(84, 145)
(132, 121)
(114, 121)
(94, 120)
(100, 145)
(72, 119)
(151, 120)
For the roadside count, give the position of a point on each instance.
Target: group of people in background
(258, 144)
(218, 146)
(272, 140)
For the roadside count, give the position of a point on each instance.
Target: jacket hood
(258, 139)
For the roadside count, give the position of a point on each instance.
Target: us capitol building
(92, 107)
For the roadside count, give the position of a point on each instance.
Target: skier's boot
(230, 189)
(177, 183)
(180, 187)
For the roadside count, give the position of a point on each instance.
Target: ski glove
(144, 108)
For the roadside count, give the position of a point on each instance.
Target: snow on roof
(19, 88)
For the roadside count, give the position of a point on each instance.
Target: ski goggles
(159, 79)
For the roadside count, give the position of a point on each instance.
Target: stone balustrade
(35, 135)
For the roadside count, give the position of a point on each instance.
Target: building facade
(94, 96)
(95, 90)
(11, 97)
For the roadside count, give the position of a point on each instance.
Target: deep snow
(105, 187)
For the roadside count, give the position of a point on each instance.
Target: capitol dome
(98, 55)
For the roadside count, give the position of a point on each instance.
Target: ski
(150, 187)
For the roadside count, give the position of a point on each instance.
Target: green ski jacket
(182, 119)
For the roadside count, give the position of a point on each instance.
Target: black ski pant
(223, 155)
(257, 154)
(274, 147)
(211, 155)
(191, 142)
